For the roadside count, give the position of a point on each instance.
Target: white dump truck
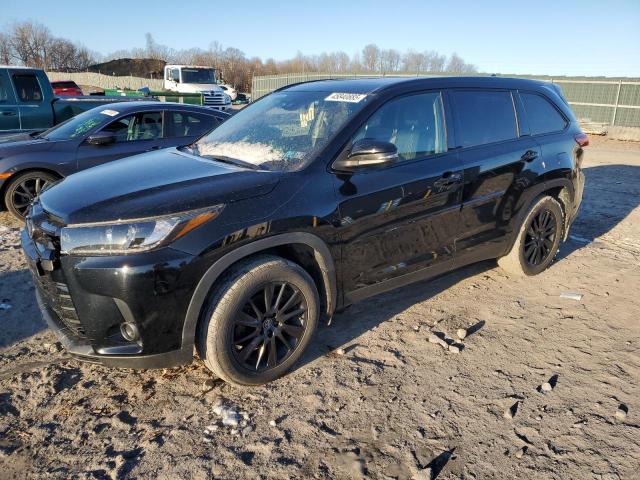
(197, 79)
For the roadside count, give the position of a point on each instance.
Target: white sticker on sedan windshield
(111, 113)
(345, 97)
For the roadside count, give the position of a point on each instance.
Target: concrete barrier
(624, 133)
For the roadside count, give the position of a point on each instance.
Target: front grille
(214, 98)
(44, 231)
(56, 296)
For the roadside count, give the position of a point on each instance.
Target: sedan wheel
(23, 189)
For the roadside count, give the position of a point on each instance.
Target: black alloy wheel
(540, 237)
(268, 329)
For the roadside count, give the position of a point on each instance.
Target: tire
(236, 339)
(538, 240)
(22, 189)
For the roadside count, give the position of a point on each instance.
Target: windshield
(80, 124)
(198, 75)
(283, 131)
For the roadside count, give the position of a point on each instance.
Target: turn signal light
(582, 139)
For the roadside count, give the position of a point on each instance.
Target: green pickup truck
(28, 104)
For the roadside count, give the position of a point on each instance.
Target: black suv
(314, 197)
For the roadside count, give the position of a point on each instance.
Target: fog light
(129, 332)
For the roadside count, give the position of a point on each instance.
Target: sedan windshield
(281, 132)
(80, 124)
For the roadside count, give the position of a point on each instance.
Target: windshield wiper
(232, 161)
(221, 158)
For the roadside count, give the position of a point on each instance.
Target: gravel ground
(544, 387)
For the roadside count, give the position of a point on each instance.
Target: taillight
(582, 139)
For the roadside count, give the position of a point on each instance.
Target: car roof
(379, 84)
(145, 105)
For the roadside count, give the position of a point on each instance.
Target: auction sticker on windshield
(111, 113)
(345, 97)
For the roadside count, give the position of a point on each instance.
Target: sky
(561, 37)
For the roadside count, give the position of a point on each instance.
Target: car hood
(15, 145)
(151, 184)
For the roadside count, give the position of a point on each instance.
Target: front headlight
(123, 237)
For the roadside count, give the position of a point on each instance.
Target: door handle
(8, 113)
(529, 156)
(447, 179)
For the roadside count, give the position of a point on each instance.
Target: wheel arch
(559, 188)
(17, 173)
(294, 246)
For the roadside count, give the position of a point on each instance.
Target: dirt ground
(372, 398)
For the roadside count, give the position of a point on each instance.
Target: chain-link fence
(609, 102)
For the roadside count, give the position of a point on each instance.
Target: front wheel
(23, 189)
(259, 321)
(538, 239)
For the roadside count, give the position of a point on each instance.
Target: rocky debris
(439, 339)
(549, 385)
(510, 412)
(340, 351)
(52, 347)
(520, 452)
(621, 413)
(209, 384)
(461, 333)
(273, 423)
(448, 344)
(229, 417)
(572, 296)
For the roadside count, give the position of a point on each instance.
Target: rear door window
(27, 88)
(414, 124)
(542, 116)
(184, 124)
(483, 116)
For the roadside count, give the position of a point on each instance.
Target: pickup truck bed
(28, 104)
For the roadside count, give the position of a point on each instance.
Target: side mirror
(101, 139)
(368, 153)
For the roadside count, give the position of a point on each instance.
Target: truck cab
(25, 100)
(197, 79)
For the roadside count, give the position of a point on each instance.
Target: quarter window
(28, 88)
(3, 91)
(414, 124)
(141, 126)
(483, 116)
(541, 115)
(191, 124)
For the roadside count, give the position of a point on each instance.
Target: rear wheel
(259, 321)
(22, 189)
(538, 239)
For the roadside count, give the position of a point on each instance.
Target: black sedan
(29, 162)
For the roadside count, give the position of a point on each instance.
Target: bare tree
(5, 49)
(29, 42)
(371, 57)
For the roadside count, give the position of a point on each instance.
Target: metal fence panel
(610, 102)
